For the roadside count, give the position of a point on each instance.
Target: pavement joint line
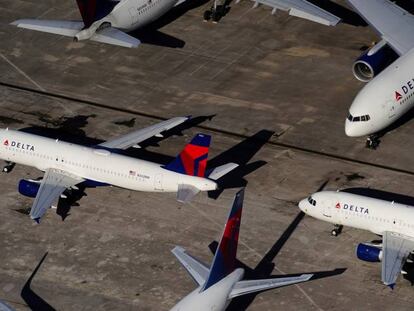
(209, 128)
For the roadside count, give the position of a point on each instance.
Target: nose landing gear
(217, 11)
(337, 230)
(8, 167)
(373, 141)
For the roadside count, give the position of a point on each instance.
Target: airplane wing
(134, 138)
(303, 9)
(198, 270)
(251, 286)
(4, 307)
(64, 28)
(51, 187)
(395, 250)
(115, 36)
(393, 23)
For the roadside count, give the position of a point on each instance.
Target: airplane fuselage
(361, 212)
(129, 15)
(214, 298)
(97, 164)
(384, 99)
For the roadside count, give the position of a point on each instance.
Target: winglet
(37, 220)
(391, 286)
(224, 261)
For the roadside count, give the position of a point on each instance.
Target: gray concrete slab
(255, 71)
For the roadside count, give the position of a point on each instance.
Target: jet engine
(368, 253)
(29, 188)
(373, 61)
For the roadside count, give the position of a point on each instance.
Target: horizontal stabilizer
(64, 28)
(186, 193)
(222, 170)
(5, 307)
(252, 286)
(194, 267)
(115, 37)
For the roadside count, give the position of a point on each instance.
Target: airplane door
(327, 209)
(391, 106)
(134, 15)
(158, 182)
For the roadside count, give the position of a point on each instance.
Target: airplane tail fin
(224, 261)
(93, 10)
(193, 159)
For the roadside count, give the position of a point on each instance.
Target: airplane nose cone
(350, 129)
(302, 205)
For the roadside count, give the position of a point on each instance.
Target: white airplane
(223, 281)
(299, 8)
(393, 221)
(387, 67)
(105, 21)
(67, 165)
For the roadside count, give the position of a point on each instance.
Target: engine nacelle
(29, 188)
(369, 253)
(373, 61)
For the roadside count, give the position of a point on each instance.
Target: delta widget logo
(6, 142)
(398, 96)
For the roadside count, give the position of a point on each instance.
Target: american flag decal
(132, 173)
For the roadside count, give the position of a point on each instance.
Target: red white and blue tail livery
(223, 281)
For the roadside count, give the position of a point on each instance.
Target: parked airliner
(105, 21)
(67, 165)
(387, 67)
(393, 221)
(223, 281)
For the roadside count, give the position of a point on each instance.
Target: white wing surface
(64, 28)
(251, 286)
(134, 138)
(198, 270)
(395, 251)
(393, 23)
(302, 9)
(52, 186)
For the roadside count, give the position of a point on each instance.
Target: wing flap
(64, 28)
(115, 37)
(134, 138)
(393, 23)
(396, 249)
(303, 9)
(252, 286)
(52, 186)
(194, 267)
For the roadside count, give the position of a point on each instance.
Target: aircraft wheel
(207, 15)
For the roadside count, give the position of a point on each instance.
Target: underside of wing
(64, 28)
(194, 267)
(252, 286)
(134, 138)
(52, 186)
(396, 249)
(186, 193)
(303, 9)
(393, 23)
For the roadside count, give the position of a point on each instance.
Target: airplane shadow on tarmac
(265, 267)
(151, 34)
(33, 300)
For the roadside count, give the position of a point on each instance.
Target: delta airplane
(67, 165)
(393, 221)
(388, 67)
(105, 21)
(223, 281)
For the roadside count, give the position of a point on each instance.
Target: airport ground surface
(255, 72)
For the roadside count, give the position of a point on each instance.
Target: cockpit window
(359, 118)
(312, 201)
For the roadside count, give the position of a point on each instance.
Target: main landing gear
(216, 12)
(8, 167)
(337, 230)
(373, 141)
